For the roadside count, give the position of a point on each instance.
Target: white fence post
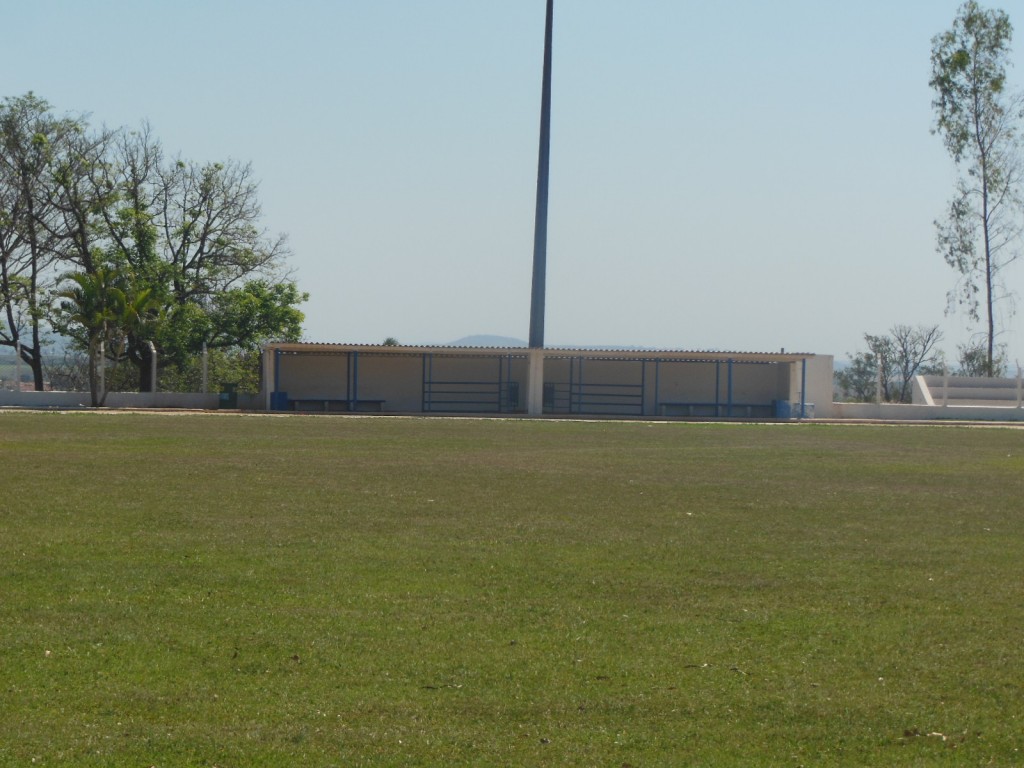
(945, 386)
(878, 380)
(152, 367)
(101, 352)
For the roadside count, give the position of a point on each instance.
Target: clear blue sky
(740, 175)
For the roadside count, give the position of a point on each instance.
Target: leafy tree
(190, 232)
(31, 139)
(103, 203)
(79, 193)
(978, 120)
(242, 318)
(128, 230)
(972, 360)
(225, 366)
(208, 225)
(858, 381)
(899, 356)
(100, 309)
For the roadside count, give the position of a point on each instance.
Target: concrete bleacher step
(970, 391)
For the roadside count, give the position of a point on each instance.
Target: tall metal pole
(540, 233)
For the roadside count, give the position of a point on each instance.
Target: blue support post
(580, 387)
(428, 377)
(354, 395)
(277, 402)
(348, 376)
(803, 389)
(643, 387)
(657, 385)
(718, 388)
(728, 407)
(501, 384)
(572, 381)
(508, 384)
(509, 404)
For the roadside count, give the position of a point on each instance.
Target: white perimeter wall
(125, 400)
(910, 412)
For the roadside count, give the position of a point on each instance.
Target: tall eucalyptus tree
(978, 119)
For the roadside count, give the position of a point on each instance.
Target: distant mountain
(483, 340)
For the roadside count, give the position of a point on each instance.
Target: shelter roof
(612, 353)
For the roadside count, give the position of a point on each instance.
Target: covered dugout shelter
(576, 382)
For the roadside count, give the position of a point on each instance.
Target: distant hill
(483, 340)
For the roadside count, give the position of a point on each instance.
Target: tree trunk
(34, 358)
(97, 391)
(93, 382)
(145, 363)
(37, 358)
(987, 237)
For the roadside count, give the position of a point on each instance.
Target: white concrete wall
(124, 400)
(820, 386)
(911, 412)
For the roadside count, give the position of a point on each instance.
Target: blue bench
(334, 405)
(717, 410)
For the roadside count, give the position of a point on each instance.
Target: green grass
(239, 591)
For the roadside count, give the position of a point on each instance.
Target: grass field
(328, 591)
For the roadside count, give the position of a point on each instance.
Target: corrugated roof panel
(694, 355)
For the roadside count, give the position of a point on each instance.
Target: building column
(270, 376)
(535, 383)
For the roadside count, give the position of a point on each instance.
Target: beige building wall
(693, 388)
(686, 382)
(398, 381)
(309, 376)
